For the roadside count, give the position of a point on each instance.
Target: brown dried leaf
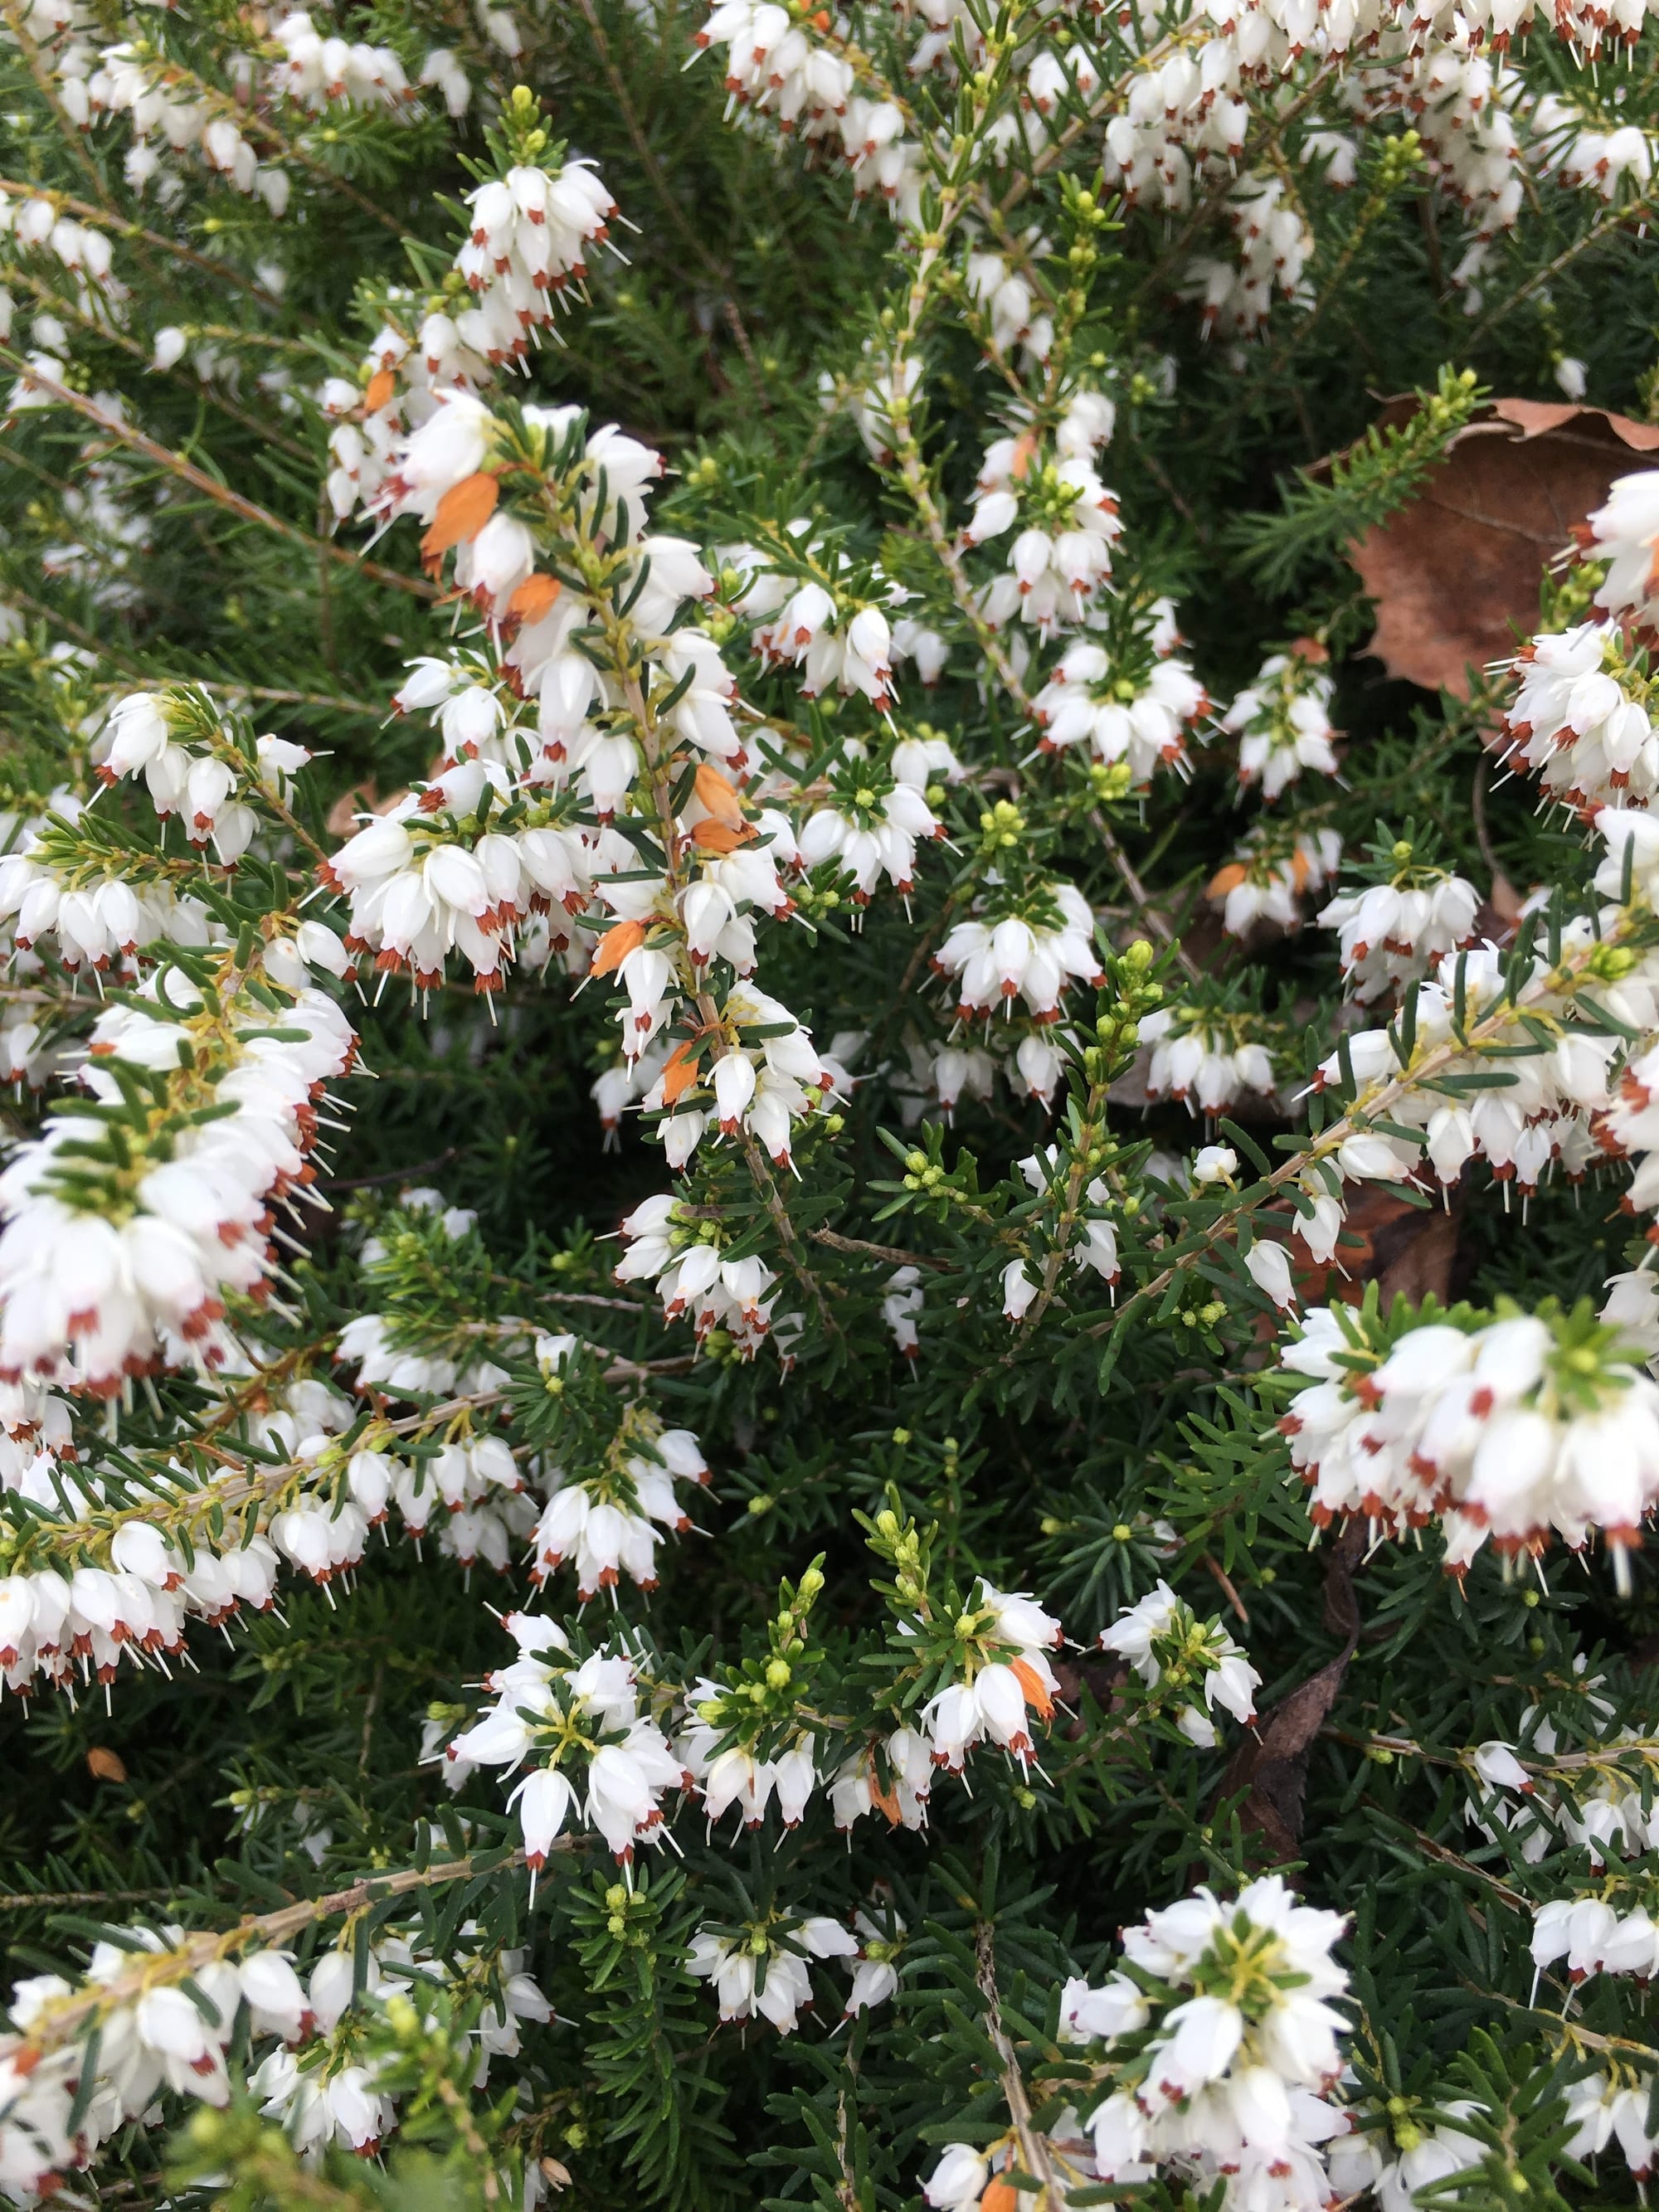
(1271, 1765)
(1103, 1678)
(105, 1765)
(1406, 1250)
(1341, 1607)
(1505, 902)
(1454, 573)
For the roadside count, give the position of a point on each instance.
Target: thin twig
(1033, 2150)
(1637, 211)
(895, 1254)
(1364, 1112)
(175, 465)
(124, 228)
(65, 2021)
(60, 306)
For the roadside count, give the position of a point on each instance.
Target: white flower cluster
(1282, 721)
(762, 1973)
(1205, 1059)
(571, 1719)
(1065, 518)
(1615, 2107)
(1580, 722)
(1624, 532)
(1138, 703)
(735, 1776)
(1393, 933)
(1510, 1432)
(1215, 2050)
(1596, 1938)
(760, 1090)
(1270, 875)
(388, 1368)
(1221, 2045)
(474, 712)
(81, 250)
(1013, 1680)
(107, 66)
(98, 919)
(1275, 243)
(1004, 296)
(193, 768)
(1187, 115)
(1183, 113)
(608, 1521)
(684, 1258)
(168, 111)
(1556, 1105)
(101, 1578)
(66, 1628)
(893, 1778)
(471, 1492)
(531, 230)
(873, 821)
(91, 1293)
(1172, 1650)
(420, 887)
(1006, 1679)
(322, 70)
(524, 250)
(1421, 2154)
(840, 639)
(1586, 1796)
(1468, 109)
(317, 2100)
(36, 1423)
(167, 2006)
(1032, 957)
(779, 66)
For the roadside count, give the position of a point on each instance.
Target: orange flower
(681, 1072)
(533, 598)
(1034, 1688)
(720, 836)
(614, 947)
(716, 796)
(462, 513)
(888, 1800)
